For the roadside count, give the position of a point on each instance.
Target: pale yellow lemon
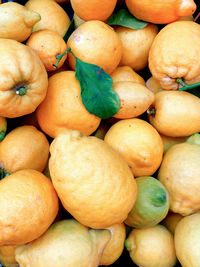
(186, 237)
(151, 247)
(126, 74)
(66, 243)
(16, 21)
(53, 16)
(179, 172)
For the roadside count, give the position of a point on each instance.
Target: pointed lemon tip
(31, 18)
(130, 243)
(186, 8)
(127, 245)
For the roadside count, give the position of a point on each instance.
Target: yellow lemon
(115, 246)
(93, 182)
(138, 143)
(151, 247)
(66, 243)
(179, 173)
(186, 237)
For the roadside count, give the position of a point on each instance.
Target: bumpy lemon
(93, 182)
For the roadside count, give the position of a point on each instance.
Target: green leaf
(125, 19)
(96, 90)
(2, 135)
(191, 88)
(69, 31)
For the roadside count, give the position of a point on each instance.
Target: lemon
(152, 203)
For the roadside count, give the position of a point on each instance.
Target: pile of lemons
(99, 133)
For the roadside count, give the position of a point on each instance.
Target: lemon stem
(152, 111)
(21, 91)
(72, 52)
(59, 57)
(3, 173)
(2, 135)
(6, 173)
(179, 80)
(127, 245)
(186, 87)
(197, 16)
(159, 198)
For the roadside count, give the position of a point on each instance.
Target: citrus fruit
(175, 54)
(169, 141)
(160, 12)
(58, 69)
(152, 203)
(23, 79)
(135, 99)
(48, 45)
(175, 113)
(7, 256)
(126, 74)
(186, 239)
(28, 204)
(138, 143)
(66, 243)
(63, 107)
(115, 245)
(136, 45)
(151, 247)
(18, 153)
(153, 85)
(16, 21)
(179, 173)
(171, 221)
(93, 9)
(94, 184)
(97, 43)
(53, 16)
(77, 21)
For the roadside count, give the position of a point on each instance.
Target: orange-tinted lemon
(138, 143)
(63, 107)
(97, 43)
(28, 204)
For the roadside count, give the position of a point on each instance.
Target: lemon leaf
(192, 88)
(2, 135)
(97, 93)
(126, 19)
(69, 31)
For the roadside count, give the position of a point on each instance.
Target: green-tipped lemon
(152, 203)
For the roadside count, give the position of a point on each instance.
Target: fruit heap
(99, 133)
